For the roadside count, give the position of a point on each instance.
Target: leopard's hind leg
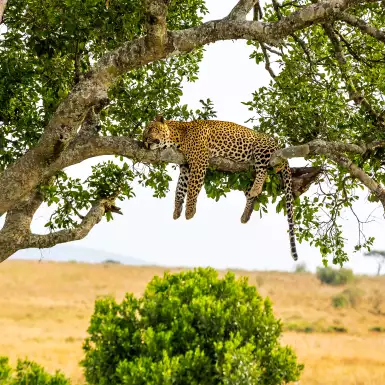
(262, 158)
(253, 193)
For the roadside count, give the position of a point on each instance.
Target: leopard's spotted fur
(203, 139)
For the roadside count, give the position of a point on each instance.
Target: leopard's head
(157, 134)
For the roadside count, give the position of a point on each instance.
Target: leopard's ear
(159, 118)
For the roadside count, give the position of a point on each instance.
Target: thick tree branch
(156, 29)
(362, 25)
(241, 10)
(321, 147)
(27, 172)
(3, 4)
(132, 149)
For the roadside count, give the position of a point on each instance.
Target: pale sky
(215, 235)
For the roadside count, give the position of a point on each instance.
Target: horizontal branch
(320, 147)
(134, 150)
(27, 172)
(362, 25)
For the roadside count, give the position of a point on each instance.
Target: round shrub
(188, 328)
(334, 277)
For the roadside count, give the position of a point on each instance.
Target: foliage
(310, 98)
(335, 277)
(28, 373)
(350, 297)
(191, 328)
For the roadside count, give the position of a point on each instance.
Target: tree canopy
(82, 78)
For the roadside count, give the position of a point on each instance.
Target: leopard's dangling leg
(181, 190)
(195, 183)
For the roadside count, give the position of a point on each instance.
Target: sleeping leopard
(201, 140)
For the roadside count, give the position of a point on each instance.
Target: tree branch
(360, 174)
(362, 26)
(156, 29)
(319, 147)
(241, 10)
(10, 241)
(354, 94)
(334, 151)
(132, 149)
(27, 172)
(90, 220)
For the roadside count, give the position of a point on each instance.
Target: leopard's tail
(287, 182)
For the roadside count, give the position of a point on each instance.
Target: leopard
(201, 140)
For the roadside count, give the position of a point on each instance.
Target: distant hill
(79, 254)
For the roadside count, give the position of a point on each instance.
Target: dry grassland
(45, 309)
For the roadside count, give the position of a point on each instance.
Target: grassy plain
(45, 309)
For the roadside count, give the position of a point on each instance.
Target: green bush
(335, 277)
(348, 298)
(28, 373)
(188, 328)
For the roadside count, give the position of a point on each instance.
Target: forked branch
(11, 241)
(336, 152)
